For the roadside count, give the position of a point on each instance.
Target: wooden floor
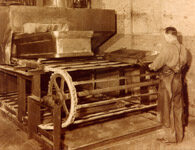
(148, 142)
(108, 132)
(12, 138)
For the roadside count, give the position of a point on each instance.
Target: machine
(53, 78)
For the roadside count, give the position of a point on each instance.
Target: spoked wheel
(62, 92)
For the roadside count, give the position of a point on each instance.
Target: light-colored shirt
(173, 55)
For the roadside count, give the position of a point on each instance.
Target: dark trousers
(170, 106)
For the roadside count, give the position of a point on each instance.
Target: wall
(124, 22)
(140, 23)
(146, 24)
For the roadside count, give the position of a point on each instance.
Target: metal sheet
(53, 44)
(131, 56)
(5, 35)
(77, 19)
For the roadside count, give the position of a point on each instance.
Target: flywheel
(62, 92)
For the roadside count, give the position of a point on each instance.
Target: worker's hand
(150, 66)
(154, 53)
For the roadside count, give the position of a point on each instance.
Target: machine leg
(36, 85)
(34, 109)
(2, 86)
(21, 84)
(34, 117)
(144, 99)
(57, 127)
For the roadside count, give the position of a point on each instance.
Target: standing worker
(170, 61)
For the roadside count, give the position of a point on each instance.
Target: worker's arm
(160, 61)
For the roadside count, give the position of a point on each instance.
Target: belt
(168, 71)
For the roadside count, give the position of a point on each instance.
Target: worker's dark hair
(171, 30)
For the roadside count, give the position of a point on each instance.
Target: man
(170, 61)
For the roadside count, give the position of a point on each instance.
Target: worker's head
(170, 34)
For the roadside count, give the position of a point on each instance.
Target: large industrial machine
(54, 81)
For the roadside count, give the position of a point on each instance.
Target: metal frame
(33, 104)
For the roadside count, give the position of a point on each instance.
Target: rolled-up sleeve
(160, 61)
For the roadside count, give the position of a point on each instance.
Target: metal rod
(13, 103)
(97, 67)
(110, 89)
(11, 93)
(106, 112)
(86, 68)
(113, 100)
(112, 79)
(109, 114)
(78, 66)
(53, 63)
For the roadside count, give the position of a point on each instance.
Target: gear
(63, 93)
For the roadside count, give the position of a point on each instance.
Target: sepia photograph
(97, 75)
